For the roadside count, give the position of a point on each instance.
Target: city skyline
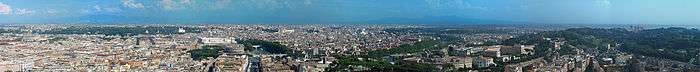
(673, 12)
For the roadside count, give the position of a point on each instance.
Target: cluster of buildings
(30, 51)
(168, 52)
(488, 56)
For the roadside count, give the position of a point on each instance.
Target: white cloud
(226, 4)
(173, 4)
(308, 2)
(23, 11)
(604, 3)
(221, 4)
(167, 4)
(132, 4)
(98, 8)
(268, 4)
(186, 2)
(51, 11)
(453, 4)
(112, 9)
(5, 9)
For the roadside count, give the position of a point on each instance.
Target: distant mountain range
(438, 20)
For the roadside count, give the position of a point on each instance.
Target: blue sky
(351, 11)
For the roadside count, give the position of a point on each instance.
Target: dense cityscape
(349, 36)
(346, 48)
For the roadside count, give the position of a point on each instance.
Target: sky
(350, 11)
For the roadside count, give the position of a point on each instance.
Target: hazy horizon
(664, 12)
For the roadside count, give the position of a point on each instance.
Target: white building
(181, 30)
(215, 41)
(484, 62)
